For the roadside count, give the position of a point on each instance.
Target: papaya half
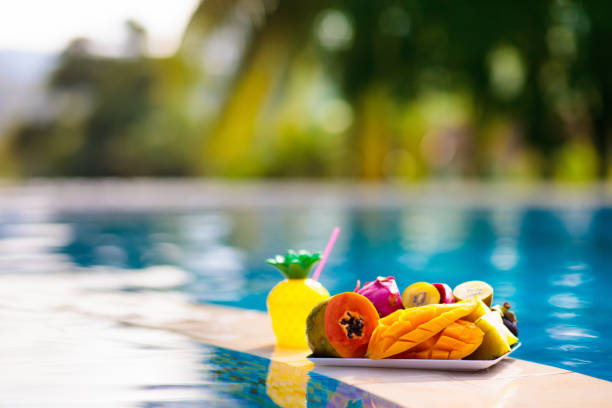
(341, 326)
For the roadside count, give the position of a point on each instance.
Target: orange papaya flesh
(342, 326)
(406, 328)
(456, 341)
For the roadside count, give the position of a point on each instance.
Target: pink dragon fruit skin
(383, 293)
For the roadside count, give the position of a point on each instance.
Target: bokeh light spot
(394, 21)
(334, 30)
(335, 116)
(506, 72)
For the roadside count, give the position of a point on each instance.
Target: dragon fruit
(383, 293)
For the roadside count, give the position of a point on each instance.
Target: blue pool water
(553, 265)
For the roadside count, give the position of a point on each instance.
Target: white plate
(450, 365)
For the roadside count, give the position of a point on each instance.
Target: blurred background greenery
(406, 89)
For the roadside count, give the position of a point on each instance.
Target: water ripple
(567, 315)
(570, 332)
(568, 301)
(570, 280)
(575, 362)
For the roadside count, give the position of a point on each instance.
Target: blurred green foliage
(388, 89)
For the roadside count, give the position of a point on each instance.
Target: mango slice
(406, 328)
(480, 310)
(457, 340)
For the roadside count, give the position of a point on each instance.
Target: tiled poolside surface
(185, 194)
(80, 340)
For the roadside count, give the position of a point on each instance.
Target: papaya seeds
(341, 326)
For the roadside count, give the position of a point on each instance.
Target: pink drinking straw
(328, 249)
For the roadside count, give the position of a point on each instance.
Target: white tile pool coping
(191, 194)
(44, 314)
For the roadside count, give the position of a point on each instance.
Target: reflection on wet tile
(234, 379)
(71, 360)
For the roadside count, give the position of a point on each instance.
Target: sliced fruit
(470, 289)
(420, 294)
(404, 329)
(479, 310)
(497, 321)
(383, 293)
(316, 336)
(509, 320)
(446, 293)
(510, 337)
(457, 340)
(341, 326)
(495, 341)
(421, 350)
(497, 308)
(511, 326)
(505, 311)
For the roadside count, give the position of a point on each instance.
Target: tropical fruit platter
(427, 325)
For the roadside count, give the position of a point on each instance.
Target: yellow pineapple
(291, 300)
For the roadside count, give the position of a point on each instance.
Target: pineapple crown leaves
(295, 264)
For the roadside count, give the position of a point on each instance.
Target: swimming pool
(552, 264)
